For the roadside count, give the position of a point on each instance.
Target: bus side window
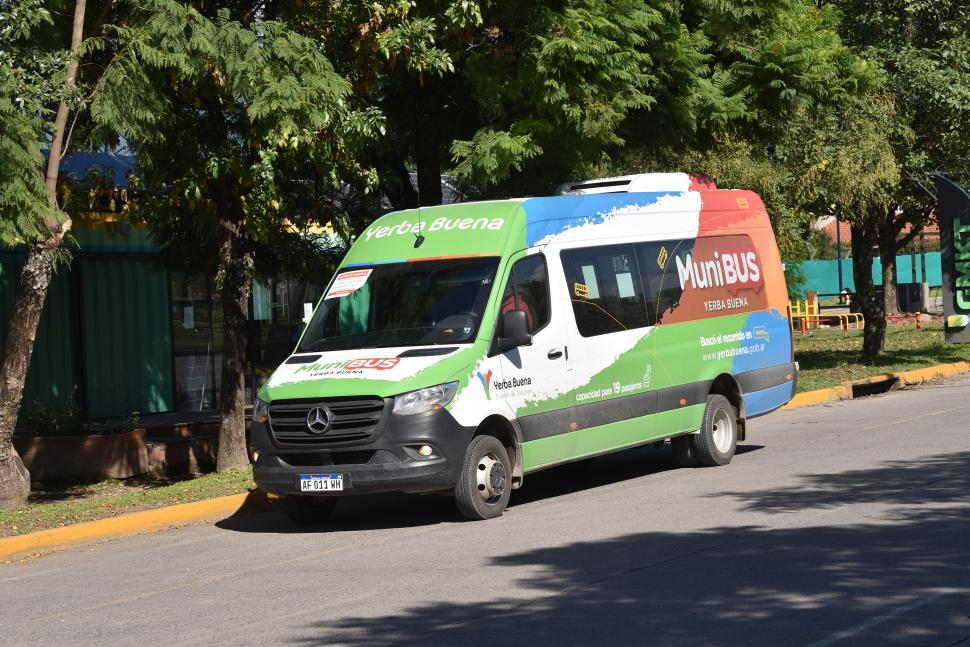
(605, 289)
(659, 274)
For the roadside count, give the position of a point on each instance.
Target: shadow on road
(403, 511)
(893, 575)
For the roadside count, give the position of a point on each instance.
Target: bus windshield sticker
(348, 283)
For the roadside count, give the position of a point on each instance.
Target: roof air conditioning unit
(641, 183)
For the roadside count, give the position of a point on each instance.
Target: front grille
(354, 419)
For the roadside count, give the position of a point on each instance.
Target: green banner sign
(954, 215)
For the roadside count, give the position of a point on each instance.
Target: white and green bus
(462, 347)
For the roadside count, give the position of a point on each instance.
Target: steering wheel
(456, 321)
(463, 313)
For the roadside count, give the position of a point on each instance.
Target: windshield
(402, 304)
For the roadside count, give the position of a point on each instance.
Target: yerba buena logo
(484, 379)
(732, 270)
(408, 228)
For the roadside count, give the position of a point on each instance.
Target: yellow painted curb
(127, 524)
(809, 398)
(942, 370)
(844, 391)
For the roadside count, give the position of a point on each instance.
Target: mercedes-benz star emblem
(318, 420)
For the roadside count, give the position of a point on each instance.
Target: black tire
(684, 454)
(485, 483)
(717, 440)
(308, 510)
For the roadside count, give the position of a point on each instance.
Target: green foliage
(68, 419)
(28, 82)
(491, 156)
(579, 76)
(232, 121)
(844, 158)
(782, 55)
(821, 246)
(64, 420)
(923, 49)
(795, 279)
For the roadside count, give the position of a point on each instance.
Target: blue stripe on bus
(554, 215)
(760, 402)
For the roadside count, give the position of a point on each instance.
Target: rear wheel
(684, 453)
(485, 483)
(308, 510)
(717, 439)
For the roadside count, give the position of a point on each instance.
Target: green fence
(54, 365)
(823, 276)
(106, 329)
(126, 340)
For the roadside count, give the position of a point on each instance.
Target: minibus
(460, 348)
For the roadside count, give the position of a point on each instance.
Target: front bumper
(386, 462)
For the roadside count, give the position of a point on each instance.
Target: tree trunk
(60, 121)
(888, 246)
(236, 273)
(427, 153)
(35, 279)
(890, 297)
(396, 182)
(874, 332)
(427, 141)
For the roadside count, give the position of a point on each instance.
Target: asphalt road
(845, 524)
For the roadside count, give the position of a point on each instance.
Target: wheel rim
(723, 431)
(490, 478)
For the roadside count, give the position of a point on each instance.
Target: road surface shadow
(393, 510)
(896, 575)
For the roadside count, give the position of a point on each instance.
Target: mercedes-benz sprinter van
(462, 347)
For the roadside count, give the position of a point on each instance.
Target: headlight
(260, 411)
(424, 400)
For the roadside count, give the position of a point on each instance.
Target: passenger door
(610, 347)
(532, 379)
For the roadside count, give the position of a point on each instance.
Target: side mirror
(514, 331)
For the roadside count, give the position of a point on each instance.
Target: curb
(130, 524)
(844, 391)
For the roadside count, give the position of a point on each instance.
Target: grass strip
(827, 357)
(46, 514)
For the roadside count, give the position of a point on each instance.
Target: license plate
(321, 482)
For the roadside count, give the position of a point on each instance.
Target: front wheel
(717, 439)
(485, 483)
(308, 510)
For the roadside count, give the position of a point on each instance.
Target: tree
(767, 65)
(846, 165)
(31, 78)
(924, 50)
(233, 119)
(510, 97)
